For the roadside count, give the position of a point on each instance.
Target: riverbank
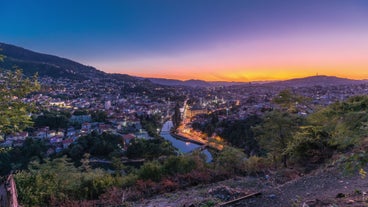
(186, 139)
(183, 144)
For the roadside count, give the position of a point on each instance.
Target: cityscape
(184, 103)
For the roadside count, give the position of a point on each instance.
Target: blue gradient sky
(212, 40)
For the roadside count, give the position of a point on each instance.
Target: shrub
(230, 161)
(255, 164)
(151, 171)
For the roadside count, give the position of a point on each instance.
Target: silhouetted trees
(176, 118)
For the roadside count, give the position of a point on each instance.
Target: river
(182, 146)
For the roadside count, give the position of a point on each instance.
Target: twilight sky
(236, 40)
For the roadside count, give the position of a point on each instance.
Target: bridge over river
(182, 146)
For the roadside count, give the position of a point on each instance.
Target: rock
(305, 205)
(340, 195)
(225, 193)
(272, 196)
(350, 201)
(315, 203)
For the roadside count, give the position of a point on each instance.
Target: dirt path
(321, 189)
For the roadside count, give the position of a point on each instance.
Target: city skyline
(209, 40)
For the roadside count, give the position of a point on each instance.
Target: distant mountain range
(192, 82)
(49, 65)
(320, 80)
(173, 82)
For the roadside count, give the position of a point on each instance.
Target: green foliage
(18, 158)
(152, 148)
(310, 146)
(151, 171)
(239, 133)
(54, 120)
(151, 123)
(346, 122)
(80, 112)
(276, 132)
(14, 114)
(356, 161)
(172, 166)
(182, 164)
(230, 161)
(255, 164)
(176, 118)
(103, 146)
(60, 180)
(288, 100)
(129, 180)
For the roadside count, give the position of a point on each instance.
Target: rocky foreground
(327, 187)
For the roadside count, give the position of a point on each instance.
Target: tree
(239, 133)
(310, 146)
(289, 100)
(275, 133)
(14, 113)
(346, 122)
(52, 120)
(59, 180)
(99, 116)
(231, 161)
(176, 118)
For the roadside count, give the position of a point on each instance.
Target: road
(186, 131)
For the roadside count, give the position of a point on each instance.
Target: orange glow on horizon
(340, 53)
(275, 74)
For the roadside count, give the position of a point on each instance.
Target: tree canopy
(14, 113)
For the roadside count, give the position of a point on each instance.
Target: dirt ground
(327, 187)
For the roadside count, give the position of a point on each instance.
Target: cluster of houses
(110, 97)
(59, 139)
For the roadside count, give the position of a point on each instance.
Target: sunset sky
(231, 40)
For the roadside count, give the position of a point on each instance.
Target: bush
(255, 164)
(230, 161)
(310, 147)
(151, 171)
(59, 180)
(179, 165)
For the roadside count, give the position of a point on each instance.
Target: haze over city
(209, 40)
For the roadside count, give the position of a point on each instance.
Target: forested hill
(318, 80)
(45, 65)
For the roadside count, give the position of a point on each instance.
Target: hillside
(45, 65)
(319, 80)
(323, 188)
